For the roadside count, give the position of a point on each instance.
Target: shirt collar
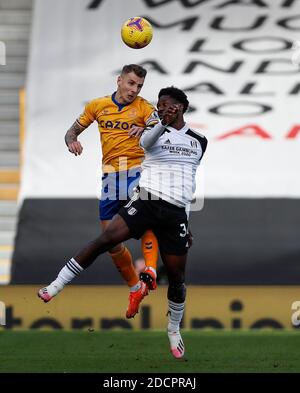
(183, 129)
(120, 106)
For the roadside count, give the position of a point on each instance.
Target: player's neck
(178, 124)
(120, 99)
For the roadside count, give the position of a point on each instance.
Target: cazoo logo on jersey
(118, 125)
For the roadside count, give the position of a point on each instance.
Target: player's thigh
(172, 235)
(104, 224)
(116, 231)
(138, 216)
(108, 208)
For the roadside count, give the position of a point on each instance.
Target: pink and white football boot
(176, 344)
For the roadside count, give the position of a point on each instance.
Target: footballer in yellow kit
(121, 118)
(115, 120)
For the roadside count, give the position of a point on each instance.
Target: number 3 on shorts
(183, 230)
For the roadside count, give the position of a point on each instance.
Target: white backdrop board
(234, 60)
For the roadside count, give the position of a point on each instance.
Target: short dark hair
(137, 69)
(177, 94)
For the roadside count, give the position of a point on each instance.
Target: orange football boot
(149, 277)
(135, 299)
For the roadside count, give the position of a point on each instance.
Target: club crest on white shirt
(132, 211)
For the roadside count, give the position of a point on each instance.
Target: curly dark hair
(177, 94)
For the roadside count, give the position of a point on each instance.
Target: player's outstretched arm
(151, 135)
(71, 136)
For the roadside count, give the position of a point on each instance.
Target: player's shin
(123, 262)
(138, 290)
(176, 302)
(150, 249)
(150, 253)
(76, 265)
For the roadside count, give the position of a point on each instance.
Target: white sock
(66, 275)
(175, 313)
(136, 287)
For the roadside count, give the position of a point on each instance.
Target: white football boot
(47, 293)
(176, 344)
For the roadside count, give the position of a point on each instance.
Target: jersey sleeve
(151, 135)
(88, 115)
(150, 115)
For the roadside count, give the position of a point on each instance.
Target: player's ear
(119, 80)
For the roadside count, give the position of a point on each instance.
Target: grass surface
(121, 351)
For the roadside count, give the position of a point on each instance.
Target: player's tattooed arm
(71, 136)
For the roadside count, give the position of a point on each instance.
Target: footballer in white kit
(167, 184)
(173, 152)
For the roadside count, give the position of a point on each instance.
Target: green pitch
(121, 351)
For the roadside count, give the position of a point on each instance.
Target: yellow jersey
(119, 150)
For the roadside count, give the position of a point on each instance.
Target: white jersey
(170, 164)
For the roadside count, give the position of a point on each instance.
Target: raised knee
(116, 249)
(177, 292)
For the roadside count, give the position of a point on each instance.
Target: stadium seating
(15, 24)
